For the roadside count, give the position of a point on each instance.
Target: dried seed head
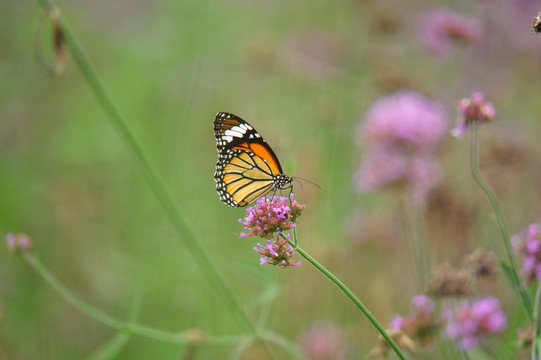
(482, 263)
(382, 348)
(447, 281)
(537, 24)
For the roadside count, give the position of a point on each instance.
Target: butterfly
(247, 168)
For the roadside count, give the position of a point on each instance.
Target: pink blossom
(442, 27)
(400, 135)
(323, 342)
(405, 118)
(271, 215)
(277, 252)
(468, 324)
(528, 244)
(473, 109)
(421, 323)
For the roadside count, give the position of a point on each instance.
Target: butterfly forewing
(247, 167)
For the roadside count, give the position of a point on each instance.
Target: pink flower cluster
(271, 215)
(421, 322)
(400, 134)
(18, 242)
(277, 252)
(468, 324)
(323, 341)
(528, 244)
(267, 219)
(473, 109)
(442, 27)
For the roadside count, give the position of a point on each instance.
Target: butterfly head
(282, 182)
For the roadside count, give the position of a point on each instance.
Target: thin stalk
(135, 329)
(153, 178)
(352, 297)
(516, 282)
(417, 246)
(113, 347)
(536, 332)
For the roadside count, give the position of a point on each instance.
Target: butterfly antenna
(298, 182)
(308, 181)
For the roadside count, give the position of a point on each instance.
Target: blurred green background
(301, 72)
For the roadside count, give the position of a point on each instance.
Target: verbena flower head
(469, 324)
(406, 119)
(528, 244)
(323, 341)
(421, 323)
(473, 109)
(385, 167)
(270, 215)
(442, 27)
(18, 242)
(277, 252)
(400, 134)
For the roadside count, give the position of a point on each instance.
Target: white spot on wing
(233, 133)
(238, 129)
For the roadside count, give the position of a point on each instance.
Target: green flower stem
(417, 244)
(516, 283)
(113, 347)
(154, 179)
(536, 331)
(182, 338)
(353, 298)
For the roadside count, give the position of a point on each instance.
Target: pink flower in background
(407, 119)
(380, 168)
(473, 109)
(469, 324)
(385, 168)
(528, 244)
(400, 135)
(442, 27)
(421, 323)
(323, 342)
(18, 242)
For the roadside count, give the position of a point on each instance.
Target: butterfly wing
(247, 167)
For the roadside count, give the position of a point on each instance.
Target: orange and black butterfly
(247, 168)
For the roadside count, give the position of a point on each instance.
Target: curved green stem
(183, 338)
(156, 183)
(353, 298)
(516, 283)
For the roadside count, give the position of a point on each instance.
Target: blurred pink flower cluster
(469, 323)
(441, 28)
(528, 244)
(400, 135)
(323, 341)
(421, 323)
(473, 109)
